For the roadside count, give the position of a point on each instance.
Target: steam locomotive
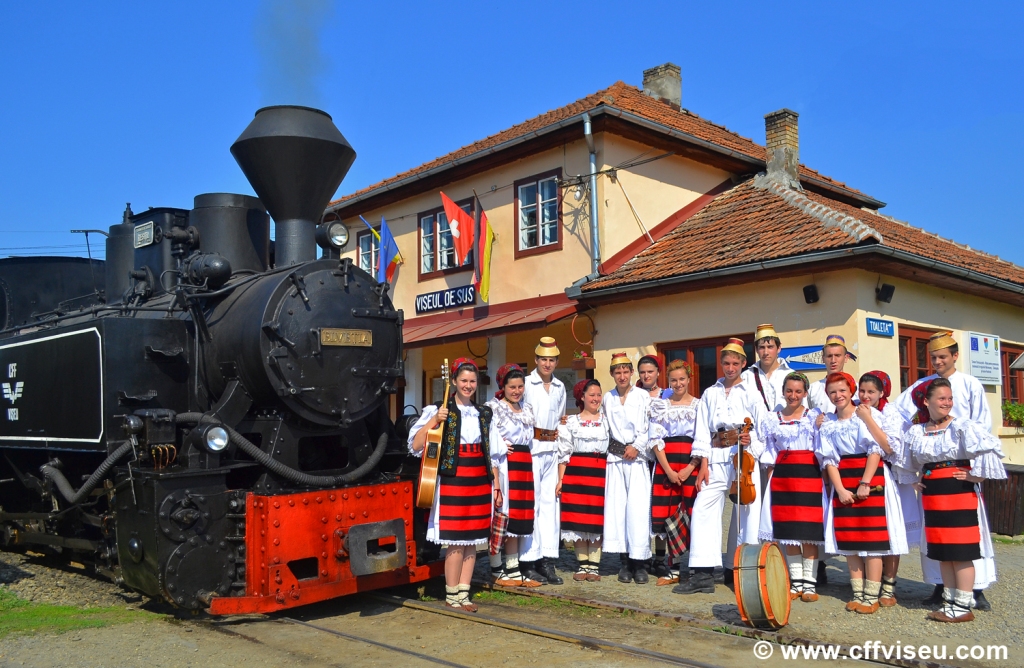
(210, 427)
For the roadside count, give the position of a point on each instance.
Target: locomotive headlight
(211, 437)
(332, 236)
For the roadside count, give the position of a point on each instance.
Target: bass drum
(762, 586)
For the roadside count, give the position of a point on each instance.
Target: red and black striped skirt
(666, 497)
(860, 526)
(583, 493)
(950, 514)
(464, 506)
(797, 512)
(520, 491)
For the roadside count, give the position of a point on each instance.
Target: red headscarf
(919, 394)
(580, 388)
(648, 359)
(842, 377)
(502, 374)
(886, 387)
(461, 362)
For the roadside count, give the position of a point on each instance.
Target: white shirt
(961, 439)
(627, 422)
(548, 407)
(969, 400)
(718, 409)
(509, 428)
(578, 435)
(781, 434)
(772, 385)
(668, 420)
(847, 437)
(817, 398)
(469, 424)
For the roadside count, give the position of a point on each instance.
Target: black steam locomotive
(211, 426)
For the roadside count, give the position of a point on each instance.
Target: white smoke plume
(292, 62)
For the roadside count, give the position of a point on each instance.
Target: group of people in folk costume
(845, 470)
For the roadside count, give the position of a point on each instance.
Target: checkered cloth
(676, 529)
(499, 525)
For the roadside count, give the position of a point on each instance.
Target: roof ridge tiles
(855, 227)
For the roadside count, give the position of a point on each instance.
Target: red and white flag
(461, 224)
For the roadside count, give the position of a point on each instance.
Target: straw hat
(764, 331)
(735, 346)
(940, 340)
(621, 358)
(546, 348)
(835, 340)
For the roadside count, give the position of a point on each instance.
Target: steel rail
(375, 643)
(587, 642)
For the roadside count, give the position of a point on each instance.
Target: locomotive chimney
(295, 158)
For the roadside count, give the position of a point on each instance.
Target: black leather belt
(617, 448)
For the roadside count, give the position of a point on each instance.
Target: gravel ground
(43, 580)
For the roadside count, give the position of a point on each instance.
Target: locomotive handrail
(275, 466)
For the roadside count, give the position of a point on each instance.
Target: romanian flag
(482, 272)
(388, 257)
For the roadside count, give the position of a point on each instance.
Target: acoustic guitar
(432, 452)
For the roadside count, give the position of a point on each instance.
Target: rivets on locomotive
(323, 537)
(276, 560)
(305, 502)
(324, 519)
(337, 517)
(383, 491)
(406, 489)
(359, 495)
(406, 505)
(277, 541)
(345, 496)
(277, 523)
(319, 499)
(323, 573)
(351, 516)
(394, 490)
(369, 492)
(277, 504)
(366, 514)
(332, 497)
(291, 502)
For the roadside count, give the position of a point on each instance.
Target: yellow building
(625, 222)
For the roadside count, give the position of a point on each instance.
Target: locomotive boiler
(209, 425)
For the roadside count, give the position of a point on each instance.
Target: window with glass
(915, 362)
(437, 248)
(704, 357)
(1013, 379)
(538, 214)
(369, 247)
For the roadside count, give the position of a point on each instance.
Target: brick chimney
(782, 145)
(664, 83)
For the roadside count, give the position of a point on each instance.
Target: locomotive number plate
(346, 337)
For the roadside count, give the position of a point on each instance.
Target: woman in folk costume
(627, 517)
(719, 429)
(952, 456)
(793, 510)
(512, 467)
(874, 390)
(582, 464)
(671, 432)
(460, 519)
(649, 371)
(864, 520)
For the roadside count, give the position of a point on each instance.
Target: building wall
(847, 299)
(657, 190)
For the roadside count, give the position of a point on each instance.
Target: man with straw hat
(968, 403)
(769, 374)
(722, 413)
(627, 512)
(546, 396)
(835, 353)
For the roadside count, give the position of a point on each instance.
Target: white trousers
(545, 539)
(706, 520)
(627, 508)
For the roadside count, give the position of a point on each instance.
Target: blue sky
(921, 106)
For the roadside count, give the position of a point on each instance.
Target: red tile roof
(731, 231)
(625, 98)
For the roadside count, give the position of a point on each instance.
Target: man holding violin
(726, 412)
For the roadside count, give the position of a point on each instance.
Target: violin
(745, 465)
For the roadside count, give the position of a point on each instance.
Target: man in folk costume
(722, 412)
(546, 396)
(835, 353)
(627, 516)
(769, 374)
(969, 403)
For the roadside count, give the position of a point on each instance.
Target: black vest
(451, 435)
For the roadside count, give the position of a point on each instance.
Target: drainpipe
(595, 241)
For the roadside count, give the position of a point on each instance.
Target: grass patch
(19, 617)
(1008, 540)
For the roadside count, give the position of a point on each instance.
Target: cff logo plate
(346, 337)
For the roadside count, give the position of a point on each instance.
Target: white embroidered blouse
(961, 439)
(847, 437)
(668, 420)
(578, 435)
(509, 428)
(470, 425)
(780, 434)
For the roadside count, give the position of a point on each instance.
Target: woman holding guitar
(460, 518)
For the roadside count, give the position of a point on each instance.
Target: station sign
(803, 358)
(445, 299)
(879, 327)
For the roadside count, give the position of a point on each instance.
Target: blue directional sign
(803, 358)
(879, 327)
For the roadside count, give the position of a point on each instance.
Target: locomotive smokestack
(295, 158)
